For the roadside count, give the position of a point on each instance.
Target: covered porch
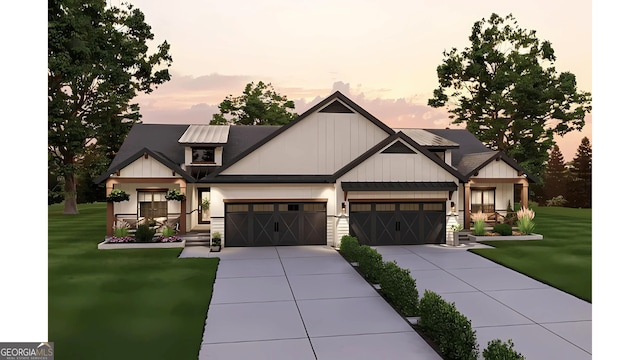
(492, 195)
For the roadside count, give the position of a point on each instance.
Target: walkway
(300, 303)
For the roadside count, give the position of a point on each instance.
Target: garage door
(398, 223)
(269, 224)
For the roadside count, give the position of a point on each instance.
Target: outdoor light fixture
(344, 207)
(453, 207)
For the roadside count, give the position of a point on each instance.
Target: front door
(204, 204)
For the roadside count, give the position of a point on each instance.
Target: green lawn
(122, 304)
(562, 259)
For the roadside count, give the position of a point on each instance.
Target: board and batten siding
(319, 144)
(497, 169)
(146, 168)
(131, 206)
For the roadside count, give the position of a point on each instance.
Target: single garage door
(398, 223)
(269, 224)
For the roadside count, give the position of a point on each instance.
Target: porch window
(483, 200)
(152, 204)
(203, 155)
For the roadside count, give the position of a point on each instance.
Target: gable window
(203, 155)
(483, 199)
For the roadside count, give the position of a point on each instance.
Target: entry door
(204, 206)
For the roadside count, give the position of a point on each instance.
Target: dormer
(204, 144)
(436, 144)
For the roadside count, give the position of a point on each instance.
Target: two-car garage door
(383, 223)
(275, 223)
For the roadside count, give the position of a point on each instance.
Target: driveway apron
(301, 302)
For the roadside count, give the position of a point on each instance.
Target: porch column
(110, 218)
(467, 205)
(524, 195)
(183, 217)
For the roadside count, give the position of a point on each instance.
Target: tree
(580, 183)
(555, 177)
(98, 62)
(505, 88)
(259, 104)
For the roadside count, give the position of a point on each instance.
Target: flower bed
(495, 236)
(129, 242)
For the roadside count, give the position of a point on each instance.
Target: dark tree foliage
(98, 61)
(555, 177)
(505, 89)
(259, 104)
(580, 185)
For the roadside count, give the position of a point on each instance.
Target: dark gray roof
(469, 144)
(399, 186)
(470, 162)
(242, 137)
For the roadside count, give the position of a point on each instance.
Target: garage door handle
(275, 226)
(397, 225)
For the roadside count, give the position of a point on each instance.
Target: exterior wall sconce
(344, 207)
(453, 207)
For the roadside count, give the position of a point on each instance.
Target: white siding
(148, 167)
(320, 144)
(497, 169)
(398, 168)
(131, 206)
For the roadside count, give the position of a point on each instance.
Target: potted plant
(216, 242)
(456, 234)
(175, 194)
(118, 195)
(205, 204)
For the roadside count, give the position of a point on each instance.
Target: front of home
(335, 170)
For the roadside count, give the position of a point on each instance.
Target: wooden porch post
(524, 195)
(183, 217)
(467, 205)
(110, 218)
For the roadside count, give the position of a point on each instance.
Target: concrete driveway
(300, 303)
(543, 322)
(309, 303)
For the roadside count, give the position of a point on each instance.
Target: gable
(399, 167)
(319, 143)
(146, 167)
(497, 169)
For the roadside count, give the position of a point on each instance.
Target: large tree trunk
(70, 194)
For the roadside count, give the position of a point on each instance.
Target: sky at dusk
(381, 54)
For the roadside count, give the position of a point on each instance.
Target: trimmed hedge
(144, 233)
(450, 329)
(498, 350)
(503, 229)
(349, 247)
(370, 263)
(397, 285)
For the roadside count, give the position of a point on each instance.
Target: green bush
(497, 350)
(450, 329)
(349, 247)
(370, 263)
(168, 231)
(503, 229)
(144, 233)
(397, 285)
(121, 232)
(479, 228)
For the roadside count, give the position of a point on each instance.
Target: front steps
(196, 239)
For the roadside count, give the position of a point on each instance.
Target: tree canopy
(98, 62)
(259, 104)
(555, 176)
(505, 88)
(580, 181)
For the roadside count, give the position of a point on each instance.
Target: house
(334, 170)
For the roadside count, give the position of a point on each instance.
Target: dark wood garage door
(398, 223)
(269, 224)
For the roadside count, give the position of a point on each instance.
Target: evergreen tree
(555, 177)
(580, 169)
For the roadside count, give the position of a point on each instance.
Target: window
(152, 204)
(203, 155)
(440, 154)
(483, 200)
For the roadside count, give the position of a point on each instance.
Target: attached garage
(275, 223)
(398, 223)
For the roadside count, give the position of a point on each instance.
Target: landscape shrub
(503, 229)
(397, 285)
(121, 229)
(450, 330)
(349, 247)
(479, 222)
(557, 201)
(525, 221)
(168, 231)
(144, 233)
(498, 350)
(370, 263)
